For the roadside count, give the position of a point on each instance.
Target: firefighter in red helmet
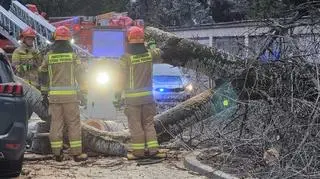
(136, 65)
(26, 59)
(63, 70)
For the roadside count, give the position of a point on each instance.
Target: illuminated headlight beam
(189, 87)
(102, 78)
(48, 42)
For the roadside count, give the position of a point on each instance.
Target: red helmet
(135, 35)
(62, 33)
(28, 32)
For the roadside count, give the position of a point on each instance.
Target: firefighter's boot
(80, 158)
(132, 156)
(160, 153)
(58, 158)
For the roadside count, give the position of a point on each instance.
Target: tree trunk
(190, 54)
(34, 100)
(175, 120)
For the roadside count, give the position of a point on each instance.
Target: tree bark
(175, 120)
(182, 52)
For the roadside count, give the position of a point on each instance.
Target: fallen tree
(167, 125)
(287, 124)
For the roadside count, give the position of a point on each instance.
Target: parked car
(13, 121)
(170, 85)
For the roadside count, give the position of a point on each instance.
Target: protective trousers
(141, 126)
(65, 114)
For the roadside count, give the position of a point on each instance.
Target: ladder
(11, 26)
(41, 25)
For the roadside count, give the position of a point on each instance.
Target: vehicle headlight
(189, 87)
(72, 41)
(48, 42)
(102, 78)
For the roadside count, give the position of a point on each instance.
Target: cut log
(104, 142)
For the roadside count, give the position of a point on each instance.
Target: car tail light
(12, 146)
(11, 89)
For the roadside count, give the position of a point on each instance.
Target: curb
(192, 163)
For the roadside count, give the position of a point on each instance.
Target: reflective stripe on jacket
(25, 61)
(138, 77)
(61, 68)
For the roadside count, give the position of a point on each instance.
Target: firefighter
(136, 67)
(63, 69)
(26, 59)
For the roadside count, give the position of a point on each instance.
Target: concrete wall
(246, 38)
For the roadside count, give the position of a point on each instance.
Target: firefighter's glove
(24, 67)
(117, 103)
(83, 98)
(152, 44)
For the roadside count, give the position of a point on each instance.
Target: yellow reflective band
(66, 92)
(75, 144)
(60, 58)
(72, 77)
(50, 75)
(25, 57)
(226, 102)
(143, 58)
(138, 146)
(131, 77)
(139, 94)
(56, 144)
(152, 144)
(56, 147)
(43, 88)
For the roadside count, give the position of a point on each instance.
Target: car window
(5, 72)
(166, 79)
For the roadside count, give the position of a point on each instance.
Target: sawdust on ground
(106, 167)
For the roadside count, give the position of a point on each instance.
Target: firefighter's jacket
(137, 76)
(63, 71)
(26, 61)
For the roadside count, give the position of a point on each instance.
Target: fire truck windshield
(108, 43)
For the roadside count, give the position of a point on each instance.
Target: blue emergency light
(161, 90)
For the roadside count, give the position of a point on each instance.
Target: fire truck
(82, 26)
